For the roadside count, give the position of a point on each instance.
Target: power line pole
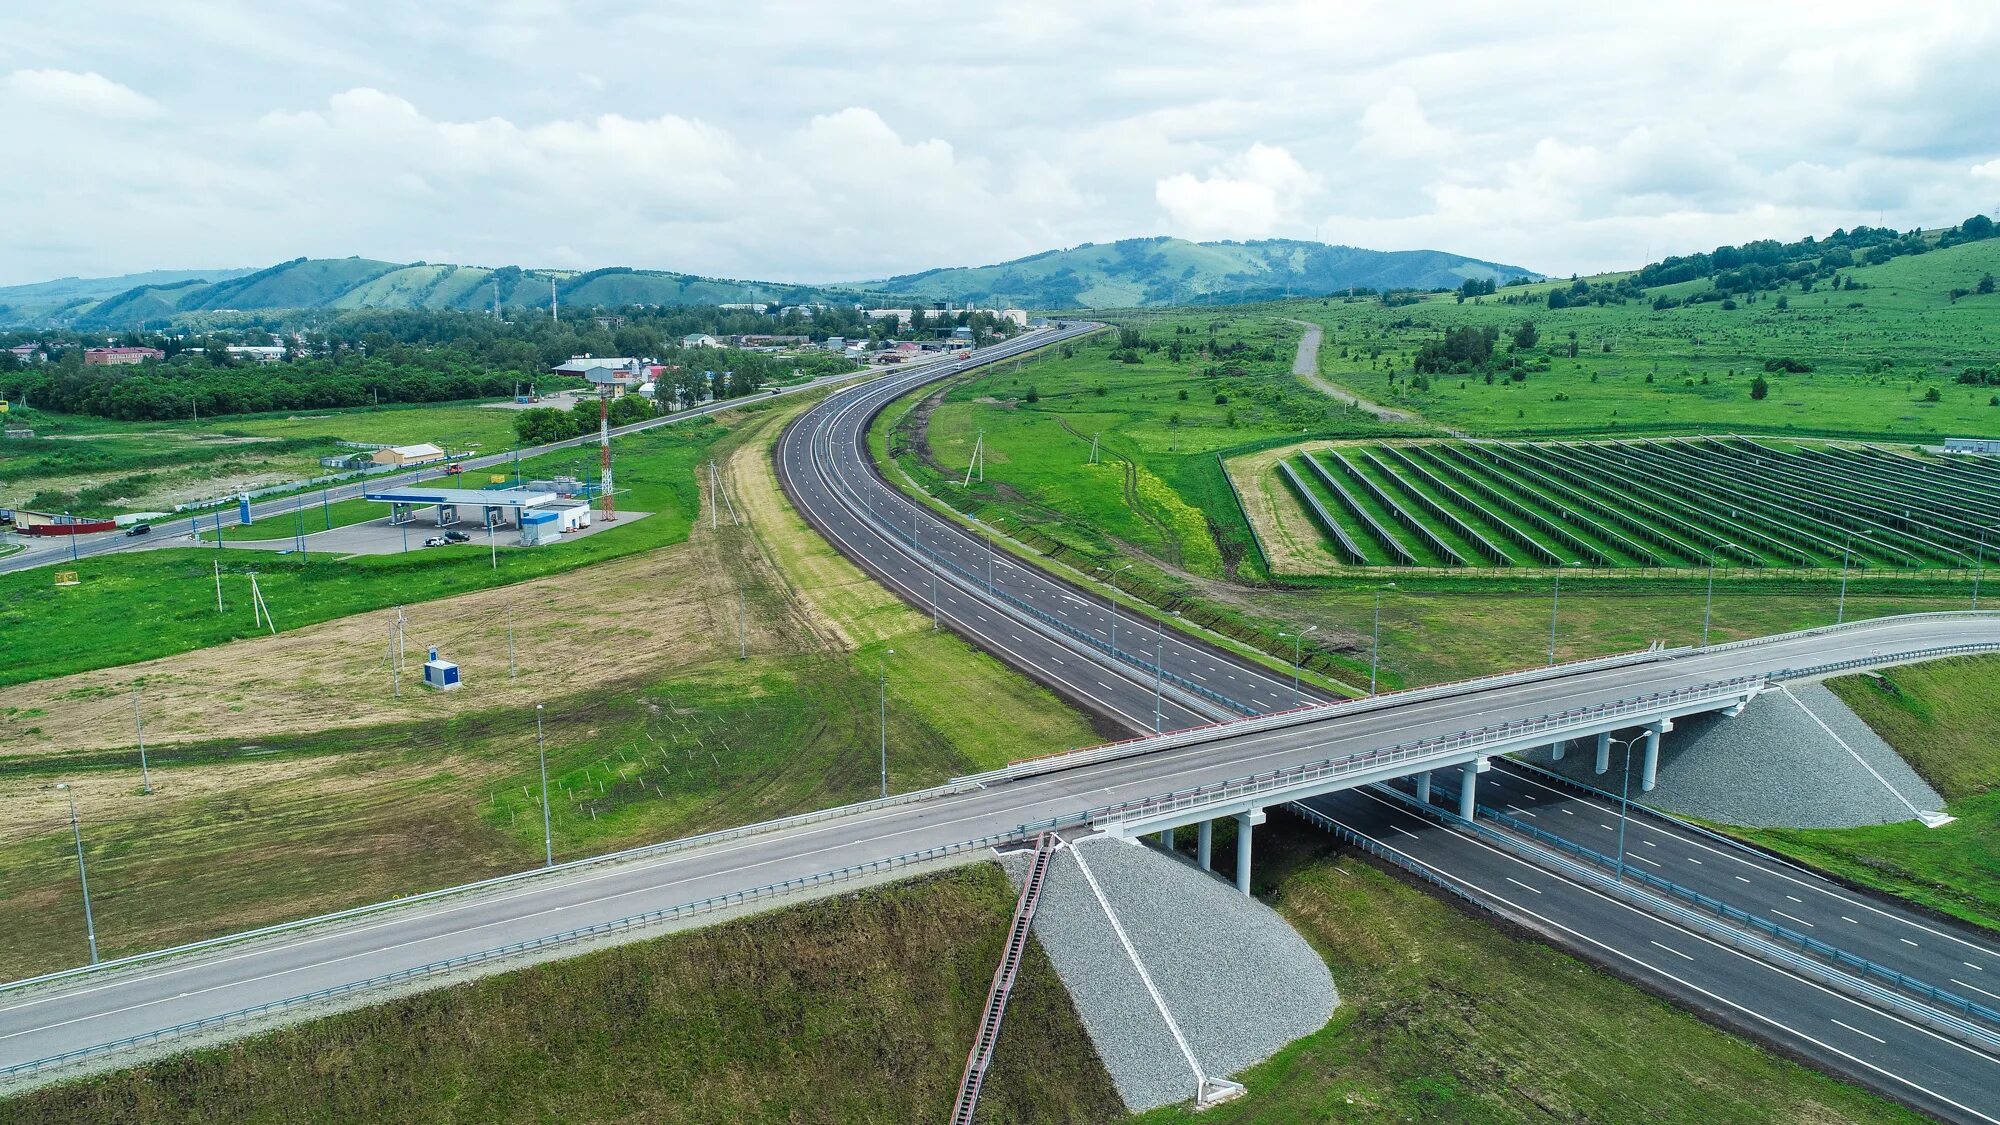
(1555, 607)
(139, 731)
(542, 754)
(82, 874)
(1708, 608)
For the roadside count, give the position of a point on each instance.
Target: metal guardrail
(643, 851)
(1741, 917)
(1311, 713)
(1404, 754)
(514, 949)
(1719, 930)
(1886, 658)
(1845, 626)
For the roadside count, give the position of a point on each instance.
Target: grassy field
(1445, 1018)
(853, 1009)
(1940, 717)
(287, 782)
(59, 630)
(86, 464)
(1875, 352)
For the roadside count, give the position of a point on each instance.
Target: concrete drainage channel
(1178, 978)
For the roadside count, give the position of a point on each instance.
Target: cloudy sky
(835, 141)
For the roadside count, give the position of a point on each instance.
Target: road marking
(1741, 879)
(1522, 885)
(1607, 827)
(1399, 828)
(1861, 1033)
(1795, 898)
(1642, 859)
(1675, 952)
(1908, 942)
(1696, 862)
(1970, 965)
(1800, 921)
(1566, 812)
(1975, 988)
(1649, 843)
(1848, 920)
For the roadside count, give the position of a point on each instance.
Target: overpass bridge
(1219, 738)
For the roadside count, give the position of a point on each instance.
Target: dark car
(457, 537)
(139, 529)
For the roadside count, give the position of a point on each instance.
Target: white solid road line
(1672, 950)
(1862, 1033)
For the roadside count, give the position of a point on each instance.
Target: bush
(1759, 387)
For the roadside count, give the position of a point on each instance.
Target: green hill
(1140, 272)
(44, 299)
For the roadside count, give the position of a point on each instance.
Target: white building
(698, 340)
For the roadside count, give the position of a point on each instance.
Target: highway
(1061, 635)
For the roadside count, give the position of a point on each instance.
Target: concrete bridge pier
(1558, 749)
(1424, 787)
(1604, 752)
(1204, 838)
(1649, 772)
(1468, 786)
(1245, 821)
(1167, 839)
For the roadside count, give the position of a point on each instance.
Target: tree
(1525, 336)
(1932, 395)
(1986, 283)
(1759, 387)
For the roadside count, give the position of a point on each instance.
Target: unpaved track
(1306, 366)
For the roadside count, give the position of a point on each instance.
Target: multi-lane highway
(1064, 636)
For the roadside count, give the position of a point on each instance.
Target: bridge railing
(1412, 753)
(516, 949)
(1845, 626)
(1311, 713)
(1859, 662)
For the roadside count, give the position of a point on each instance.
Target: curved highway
(1064, 637)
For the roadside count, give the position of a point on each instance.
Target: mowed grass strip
(1940, 717)
(852, 1009)
(1445, 1017)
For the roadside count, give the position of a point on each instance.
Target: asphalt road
(167, 531)
(1888, 1052)
(822, 468)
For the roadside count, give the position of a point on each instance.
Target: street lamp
(1846, 551)
(541, 752)
(82, 875)
(1112, 600)
(1298, 641)
(1555, 607)
(1978, 567)
(1624, 799)
(1708, 608)
(1375, 650)
(883, 685)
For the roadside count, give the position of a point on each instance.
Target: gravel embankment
(1770, 766)
(1240, 982)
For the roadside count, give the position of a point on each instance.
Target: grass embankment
(859, 1008)
(85, 464)
(343, 795)
(1941, 718)
(146, 604)
(1445, 1018)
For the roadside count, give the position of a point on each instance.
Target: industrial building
(405, 456)
(114, 357)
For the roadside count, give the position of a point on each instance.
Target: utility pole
(1375, 649)
(510, 640)
(604, 451)
(542, 755)
(742, 633)
(883, 684)
(218, 585)
(1159, 670)
(139, 732)
(82, 875)
(1978, 567)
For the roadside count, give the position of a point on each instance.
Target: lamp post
(1159, 670)
(1111, 576)
(1840, 611)
(1298, 643)
(541, 752)
(1624, 799)
(1555, 607)
(1978, 567)
(1708, 607)
(82, 875)
(1375, 650)
(883, 685)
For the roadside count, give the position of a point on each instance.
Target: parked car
(139, 529)
(453, 469)
(436, 541)
(457, 537)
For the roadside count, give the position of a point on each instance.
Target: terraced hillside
(1654, 503)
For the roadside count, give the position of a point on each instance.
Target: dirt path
(1306, 366)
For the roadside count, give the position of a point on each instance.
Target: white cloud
(1251, 195)
(89, 94)
(1396, 128)
(787, 140)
